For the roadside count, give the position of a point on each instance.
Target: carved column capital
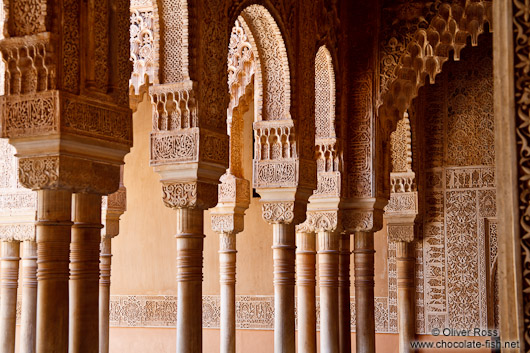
(67, 172)
(305, 227)
(278, 212)
(401, 232)
(327, 221)
(17, 232)
(189, 195)
(363, 215)
(227, 223)
(234, 199)
(112, 207)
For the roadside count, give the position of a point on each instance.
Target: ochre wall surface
(144, 252)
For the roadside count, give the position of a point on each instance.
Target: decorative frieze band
(49, 112)
(252, 312)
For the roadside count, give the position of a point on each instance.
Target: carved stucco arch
(243, 67)
(424, 57)
(448, 32)
(328, 146)
(273, 78)
(145, 49)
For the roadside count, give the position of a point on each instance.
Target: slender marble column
(406, 295)
(364, 292)
(328, 271)
(54, 214)
(8, 299)
(190, 238)
(227, 264)
(284, 282)
(105, 257)
(344, 295)
(305, 269)
(84, 274)
(29, 297)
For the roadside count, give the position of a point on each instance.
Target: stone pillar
(29, 297)
(227, 269)
(8, 294)
(53, 246)
(400, 215)
(364, 291)
(344, 295)
(306, 291)
(17, 224)
(227, 221)
(105, 258)
(84, 274)
(190, 238)
(323, 216)
(112, 208)
(74, 143)
(328, 272)
(284, 280)
(406, 294)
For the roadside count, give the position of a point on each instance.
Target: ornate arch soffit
(325, 94)
(428, 50)
(323, 208)
(275, 92)
(145, 36)
(243, 67)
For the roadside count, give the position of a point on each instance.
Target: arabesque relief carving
(521, 42)
(460, 192)
(144, 44)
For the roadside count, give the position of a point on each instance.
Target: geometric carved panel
(459, 176)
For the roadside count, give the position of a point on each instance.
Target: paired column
(227, 269)
(344, 294)
(105, 257)
(84, 274)
(328, 262)
(190, 238)
(113, 207)
(29, 297)
(8, 294)
(284, 282)
(54, 214)
(306, 291)
(364, 291)
(228, 221)
(406, 294)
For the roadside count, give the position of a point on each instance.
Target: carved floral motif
(278, 212)
(521, 45)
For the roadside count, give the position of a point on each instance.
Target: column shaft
(344, 295)
(84, 274)
(328, 271)
(54, 214)
(284, 282)
(364, 292)
(306, 308)
(105, 257)
(227, 269)
(190, 238)
(29, 297)
(406, 295)
(8, 299)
